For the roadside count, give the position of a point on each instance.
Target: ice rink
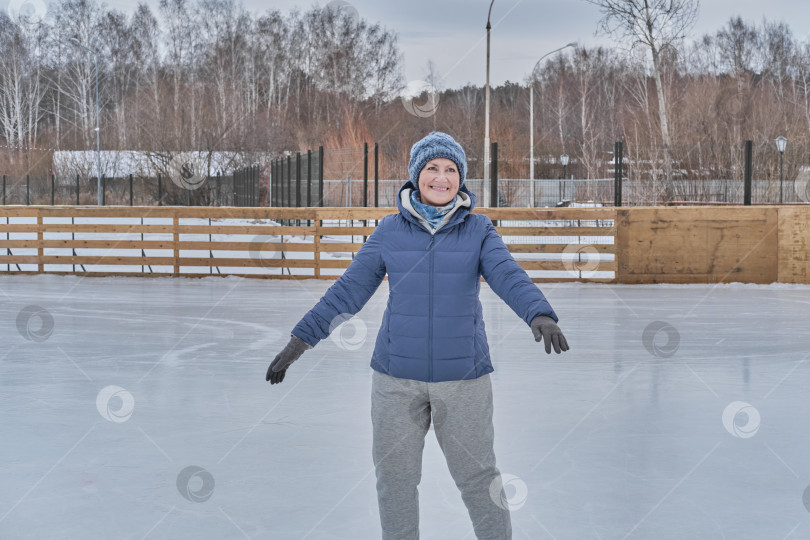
(137, 408)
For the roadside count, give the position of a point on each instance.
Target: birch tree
(655, 25)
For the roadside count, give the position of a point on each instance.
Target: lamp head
(564, 160)
(781, 144)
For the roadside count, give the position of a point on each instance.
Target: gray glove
(544, 328)
(294, 349)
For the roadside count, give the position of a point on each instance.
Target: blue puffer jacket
(433, 328)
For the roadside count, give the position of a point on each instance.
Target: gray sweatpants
(461, 411)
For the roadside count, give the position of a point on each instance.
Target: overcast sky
(452, 32)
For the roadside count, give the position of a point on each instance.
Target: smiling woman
(431, 359)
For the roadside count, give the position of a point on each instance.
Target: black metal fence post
(749, 151)
(219, 189)
(320, 176)
(53, 189)
(298, 179)
(77, 190)
(130, 191)
(27, 189)
(4, 190)
(376, 175)
(365, 174)
(160, 191)
(309, 178)
(235, 188)
(494, 176)
(618, 172)
(289, 181)
(103, 191)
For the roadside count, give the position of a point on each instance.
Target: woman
(431, 353)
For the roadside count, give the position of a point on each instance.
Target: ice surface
(111, 388)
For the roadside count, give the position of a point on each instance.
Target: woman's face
(438, 182)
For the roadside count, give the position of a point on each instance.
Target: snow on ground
(137, 408)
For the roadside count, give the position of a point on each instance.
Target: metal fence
(297, 181)
(242, 188)
(619, 176)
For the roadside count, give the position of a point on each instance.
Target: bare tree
(655, 25)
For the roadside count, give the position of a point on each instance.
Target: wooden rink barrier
(748, 244)
(280, 243)
(753, 244)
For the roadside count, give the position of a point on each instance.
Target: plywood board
(697, 245)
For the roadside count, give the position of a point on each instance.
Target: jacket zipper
(430, 309)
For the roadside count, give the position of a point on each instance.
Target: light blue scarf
(432, 214)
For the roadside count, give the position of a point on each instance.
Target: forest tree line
(209, 75)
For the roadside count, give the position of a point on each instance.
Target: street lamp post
(564, 160)
(76, 42)
(486, 118)
(531, 122)
(781, 144)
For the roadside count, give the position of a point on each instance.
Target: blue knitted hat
(437, 145)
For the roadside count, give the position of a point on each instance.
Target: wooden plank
(346, 231)
(354, 213)
(68, 243)
(160, 274)
(572, 267)
(198, 212)
(556, 231)
(246, 262)
(268, 230)
(334, 263)
(696, 245)
(794, 244)
(560, 248)
(18, 228)
(339, 247)
(86, 259)
(109, 228)
(158, 244)
(567, 280)
(88, 228)
(289, 213)
(522, 214)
